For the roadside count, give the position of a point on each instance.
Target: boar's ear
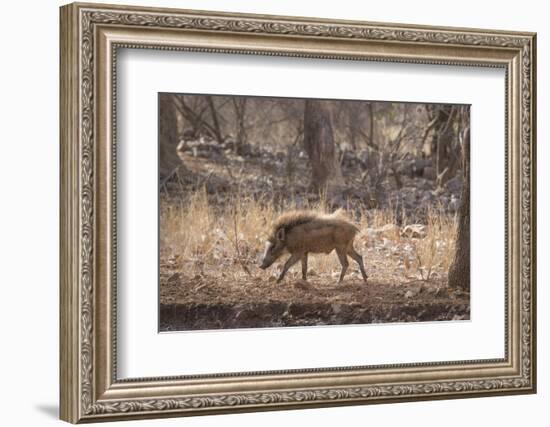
(280, 234)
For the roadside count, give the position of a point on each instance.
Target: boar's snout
(269, 256)
(266, 261)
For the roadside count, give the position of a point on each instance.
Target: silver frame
(90, 37)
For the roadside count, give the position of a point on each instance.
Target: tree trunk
(459, 273)
(168, 135)
(216, 123)
(353, 123)
(320, 147)
(371, 124)
(441, 144)
(239, 105)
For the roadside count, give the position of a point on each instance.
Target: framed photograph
(266, 212)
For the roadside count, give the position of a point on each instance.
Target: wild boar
(302, 232)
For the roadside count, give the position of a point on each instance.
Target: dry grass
(199, 238)
(435, 252)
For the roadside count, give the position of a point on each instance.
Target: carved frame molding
(90, 36)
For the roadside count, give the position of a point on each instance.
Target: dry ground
(210, 279)
(199, 302)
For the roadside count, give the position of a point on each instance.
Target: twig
(170, 175)
(368, 141)
(206, 179)
(195, 118)
(420, 266)
(236, 242)
(226, 165)
(429, 127)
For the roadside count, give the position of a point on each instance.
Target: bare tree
(389, 151)
(371, 123)
(193, 113)
(346, 117)
(320, 147)
(443, 142)
(168, 134)
(239, 105)
(459, 272)
(202, 114)
(215, 121)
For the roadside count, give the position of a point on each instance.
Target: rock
(424, 184)
(229, 146)
(429, 173)
(189, 134)
(371, 234)
(244, 149)
(386, 243)
(363, 157)
(441, 292)
(414, 231)
(199, 148)
(431, 289)
(454, 203)
(438, 192)
(174, 278)
(388, 231)
(409, 198)
(299, 310)
(409, 294)
(426, 197)
(454, 185)
(181, 149)
(302, 285)
(200, 287)
(337, 201)
(348, 158)
(336, 308)
(248, 317)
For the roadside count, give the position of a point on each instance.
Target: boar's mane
(291, 219)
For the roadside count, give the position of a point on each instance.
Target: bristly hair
(291, 219)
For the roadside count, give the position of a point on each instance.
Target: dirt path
(198, 302)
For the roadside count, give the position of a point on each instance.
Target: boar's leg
(304, 266)
(342, 256)
(294, 258)
(359, 260)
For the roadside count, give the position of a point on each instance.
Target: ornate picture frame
(90, 37)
